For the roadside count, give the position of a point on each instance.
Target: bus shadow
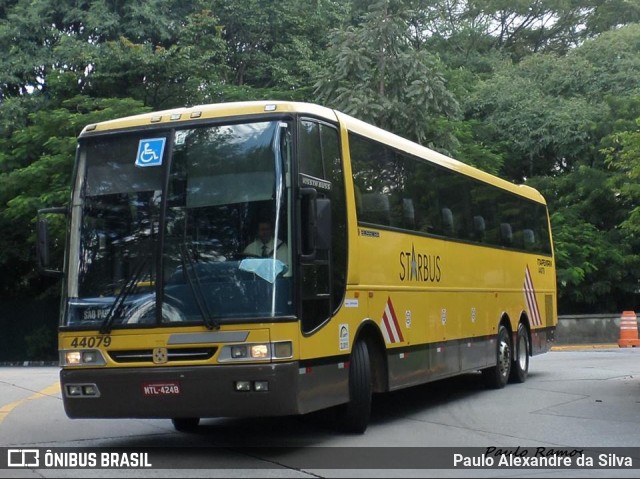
(391, 406)
(315, 429)
(421, 398)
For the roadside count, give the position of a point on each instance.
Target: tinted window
(319, 158)
(396, 190)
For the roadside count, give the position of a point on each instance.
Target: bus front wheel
(496, 377)
(355, 414)
(185, 424)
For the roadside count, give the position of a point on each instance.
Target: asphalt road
(573, 400)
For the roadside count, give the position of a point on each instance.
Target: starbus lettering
(419, 266)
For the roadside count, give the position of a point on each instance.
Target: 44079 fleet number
(91, 341)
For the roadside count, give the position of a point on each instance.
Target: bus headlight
(82, 357)
(260, 351)
(256, 351)
(239, 352)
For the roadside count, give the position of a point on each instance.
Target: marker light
(82, 390)
(74, 390)
(283, 349)
(89, 390)
(243, 385)
(261, 386)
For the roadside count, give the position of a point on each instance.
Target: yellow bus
(383, 265)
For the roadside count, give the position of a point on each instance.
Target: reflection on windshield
(222, 181)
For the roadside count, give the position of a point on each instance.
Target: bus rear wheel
(496, 377)
(185, 424)
(354, 416)
(520, 367)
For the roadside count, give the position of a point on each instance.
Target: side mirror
(316, 224)
(323, 223)
(43, 242)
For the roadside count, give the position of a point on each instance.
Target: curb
(31, 364)
(583, 347)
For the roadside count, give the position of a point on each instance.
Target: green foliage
(544, 92)
(595, 268)
(543, 131)
(471, 148)
(613, 61)
(277, 45)
(163, 77)
(375, 74)
(624, 156)
(596, 260)
(35, 172)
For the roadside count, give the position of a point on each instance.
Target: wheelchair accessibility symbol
(150, 152)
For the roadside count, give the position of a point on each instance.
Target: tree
(159, 52)
(543, 91)
(69, 63)
(539, 133)
(276, 47)
(597, 262)
(555, 119)
(624, 157)
(163, 76)
(41, 156)
(375, 73)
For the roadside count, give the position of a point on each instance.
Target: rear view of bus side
(398, 266)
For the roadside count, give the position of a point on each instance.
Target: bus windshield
(187, 226)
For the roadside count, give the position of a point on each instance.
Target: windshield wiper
(188, 266)
(123, 294)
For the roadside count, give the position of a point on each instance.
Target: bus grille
(146, 355)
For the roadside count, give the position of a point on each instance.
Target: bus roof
(203, 112)
(248, 108)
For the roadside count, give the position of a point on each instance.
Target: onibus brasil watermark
(37, 458)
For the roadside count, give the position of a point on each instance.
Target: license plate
(160, 389)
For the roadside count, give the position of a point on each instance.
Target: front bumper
(204, 391)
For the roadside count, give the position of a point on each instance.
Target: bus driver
(263, 245)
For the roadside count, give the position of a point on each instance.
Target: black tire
(354, 416)
(185, 424)
(496, 377)
(520, 366)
